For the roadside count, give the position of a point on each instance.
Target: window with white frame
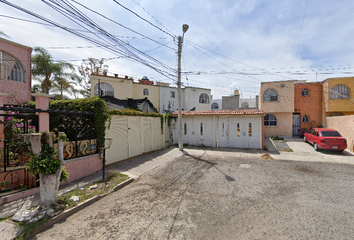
(105, 88)
(11, 68)
(203, 98)
(270, 120)
(270, 95)
(305, 119)
(339, 92)
(146, 92)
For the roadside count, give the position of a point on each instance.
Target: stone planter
(48, 191)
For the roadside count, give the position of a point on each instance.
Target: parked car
(325, 138)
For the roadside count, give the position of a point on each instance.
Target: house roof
(221, 112)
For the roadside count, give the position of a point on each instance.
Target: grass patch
(28, 228)
(276, 138)
(5, 219)
(64, 200)
(86, 194)
(288, 150)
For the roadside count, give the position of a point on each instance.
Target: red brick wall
(310, 105)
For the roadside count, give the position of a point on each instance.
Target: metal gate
(296, 124)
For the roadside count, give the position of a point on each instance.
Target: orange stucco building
(308, 103)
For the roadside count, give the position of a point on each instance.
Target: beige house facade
(276, 99)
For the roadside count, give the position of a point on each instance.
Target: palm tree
(45, 69)
(61, 84)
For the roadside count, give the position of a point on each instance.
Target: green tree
(90, 66)
(45, 70)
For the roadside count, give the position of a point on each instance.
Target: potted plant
(48, 163)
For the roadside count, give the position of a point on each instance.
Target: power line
(302, 27)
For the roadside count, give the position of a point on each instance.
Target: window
(105, 88)
(201, 129)
(238, 129)
(203, 98)
(223, 129)
(11, 68)
(270, 95)
(305, 92)
(185, 128)
(214, 106)
(146, 92)
(305, 119)
(244, 105)
(172, 94)
(340, 92)
(330, 134)
(250, 129)
(270, 120)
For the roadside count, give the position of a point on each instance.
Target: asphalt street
(206, 196)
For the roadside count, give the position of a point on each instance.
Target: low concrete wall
(344, 125)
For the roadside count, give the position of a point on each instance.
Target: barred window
(214, 106)
(172, 94)
(270, 120)
(203, 98)
(146, 91)
(105, 88)
(270, 95)
(11, 68)
(305, 119)
(340, 92)
(244, 105)
(305, 92)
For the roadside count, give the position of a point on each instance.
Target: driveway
(305, 152)
(207, 196)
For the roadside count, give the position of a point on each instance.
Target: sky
(229, 44)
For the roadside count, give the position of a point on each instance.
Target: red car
(324, 138)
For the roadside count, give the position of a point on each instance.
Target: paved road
(207, 196)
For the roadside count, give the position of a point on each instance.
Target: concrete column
(42, 102)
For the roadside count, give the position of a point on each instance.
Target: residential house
(235, 102)
(308, 106)
(15, 69)
(161, 95)
(216, 104)
(338, 97)
(222, 128)
(276, 99)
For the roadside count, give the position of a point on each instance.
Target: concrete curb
(81, 206)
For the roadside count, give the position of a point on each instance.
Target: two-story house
(15, 69)
(276, 99)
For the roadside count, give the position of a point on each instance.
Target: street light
(180, 42)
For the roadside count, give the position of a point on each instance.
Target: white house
(222, 128)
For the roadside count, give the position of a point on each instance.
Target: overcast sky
(229, 44)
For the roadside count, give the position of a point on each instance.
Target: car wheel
(305, 139)
(315, 146)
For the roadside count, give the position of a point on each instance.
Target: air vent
(282, 85)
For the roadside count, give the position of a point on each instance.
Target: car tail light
(323, 140)
(345, 141)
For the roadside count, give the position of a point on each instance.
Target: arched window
(244, 105)
(270, 95)
(146, 91)
(203, 98)
(340, 92)
(214, 105)
(106, 89)
(305, 119)
(270, 120)
(11, 68)
(172, 94)
(305, 92)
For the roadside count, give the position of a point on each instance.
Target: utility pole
(180, 42)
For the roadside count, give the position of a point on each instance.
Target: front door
(296, 124)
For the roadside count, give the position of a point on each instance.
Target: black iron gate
(296, 124)
(14, 152)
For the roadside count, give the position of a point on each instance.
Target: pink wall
(81, 167)
(23, 54)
